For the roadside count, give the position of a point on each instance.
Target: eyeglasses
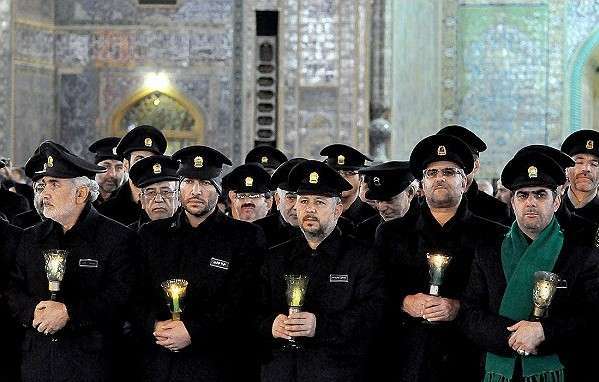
(246, 195)
(448, 172)
(164, 194)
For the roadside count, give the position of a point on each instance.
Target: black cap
(582, 142)
(437, 148)
(250, 177)
(154, 169)
(475, 144)
(52, 159)
(4, 162)
(387, 179)
(344, 157)
(200, 162)
(142, 138)
(532, 169)
(266, 156)
(280, 178)
(105, 148)
(560, 157)
(312, 177)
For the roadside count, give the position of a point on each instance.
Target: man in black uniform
(219, 257)
(392, 187)
(156, 178)
(9, 363)
(581, 194)
(105, 155)
(270, 158)
(479, 202)
(497, 312)
(347, 161)
(249, 192)
(281, 225)
(419, 322)
(68, 338)
(141, 142)
(343, 299)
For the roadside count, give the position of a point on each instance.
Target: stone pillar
(6, 137)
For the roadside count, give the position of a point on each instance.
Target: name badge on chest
(338, 278)
(88, 263)
(218, 263)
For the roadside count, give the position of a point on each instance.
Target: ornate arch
(576, 71)
(170, 106)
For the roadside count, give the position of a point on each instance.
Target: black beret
(280, 178)
(250, 177)
(436, 148)
(475, 144)
(142, 138)
(582, 142)
(312, 177)
(154, 169)
(52, 159)
(387, 179)
(532, 169)
(344, 157)
(200, 162)
(266, 156)
(560, 157)
(105, 148)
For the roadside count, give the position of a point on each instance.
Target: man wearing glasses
(157, 179)
(249, 192)
(420, 318)
(282, 225)
(392, 187)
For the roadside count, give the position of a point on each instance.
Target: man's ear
(277, 199)
(126, 165)
(338, 210)
(81, 195)
(269, 202)
(231, 196)
(557, 201)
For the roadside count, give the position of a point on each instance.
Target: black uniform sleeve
(564, 327)
(485, 328)
(21, 304)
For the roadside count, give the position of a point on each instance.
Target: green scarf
(520, 261)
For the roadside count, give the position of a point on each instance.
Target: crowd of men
(366, 236)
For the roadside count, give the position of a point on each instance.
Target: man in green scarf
(497, 304)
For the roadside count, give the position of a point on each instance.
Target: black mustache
(248, 205)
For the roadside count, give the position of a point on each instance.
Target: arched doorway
(180, 121)
(584, 86)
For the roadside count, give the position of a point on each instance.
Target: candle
(175, 292)
(544, 289)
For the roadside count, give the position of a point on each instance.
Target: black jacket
(9, 363)
(590, 211)
(27, 219)
(95, 289)
(12, 204)
(358, 212)
(121, 206)
(276, 230)
(346, 311)
(570, 328)
(486, 206)
(430, 352)
(220, 260)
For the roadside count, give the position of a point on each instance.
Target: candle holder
(296, 293)
(546, 284)
(175, 290)
(55, 263)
